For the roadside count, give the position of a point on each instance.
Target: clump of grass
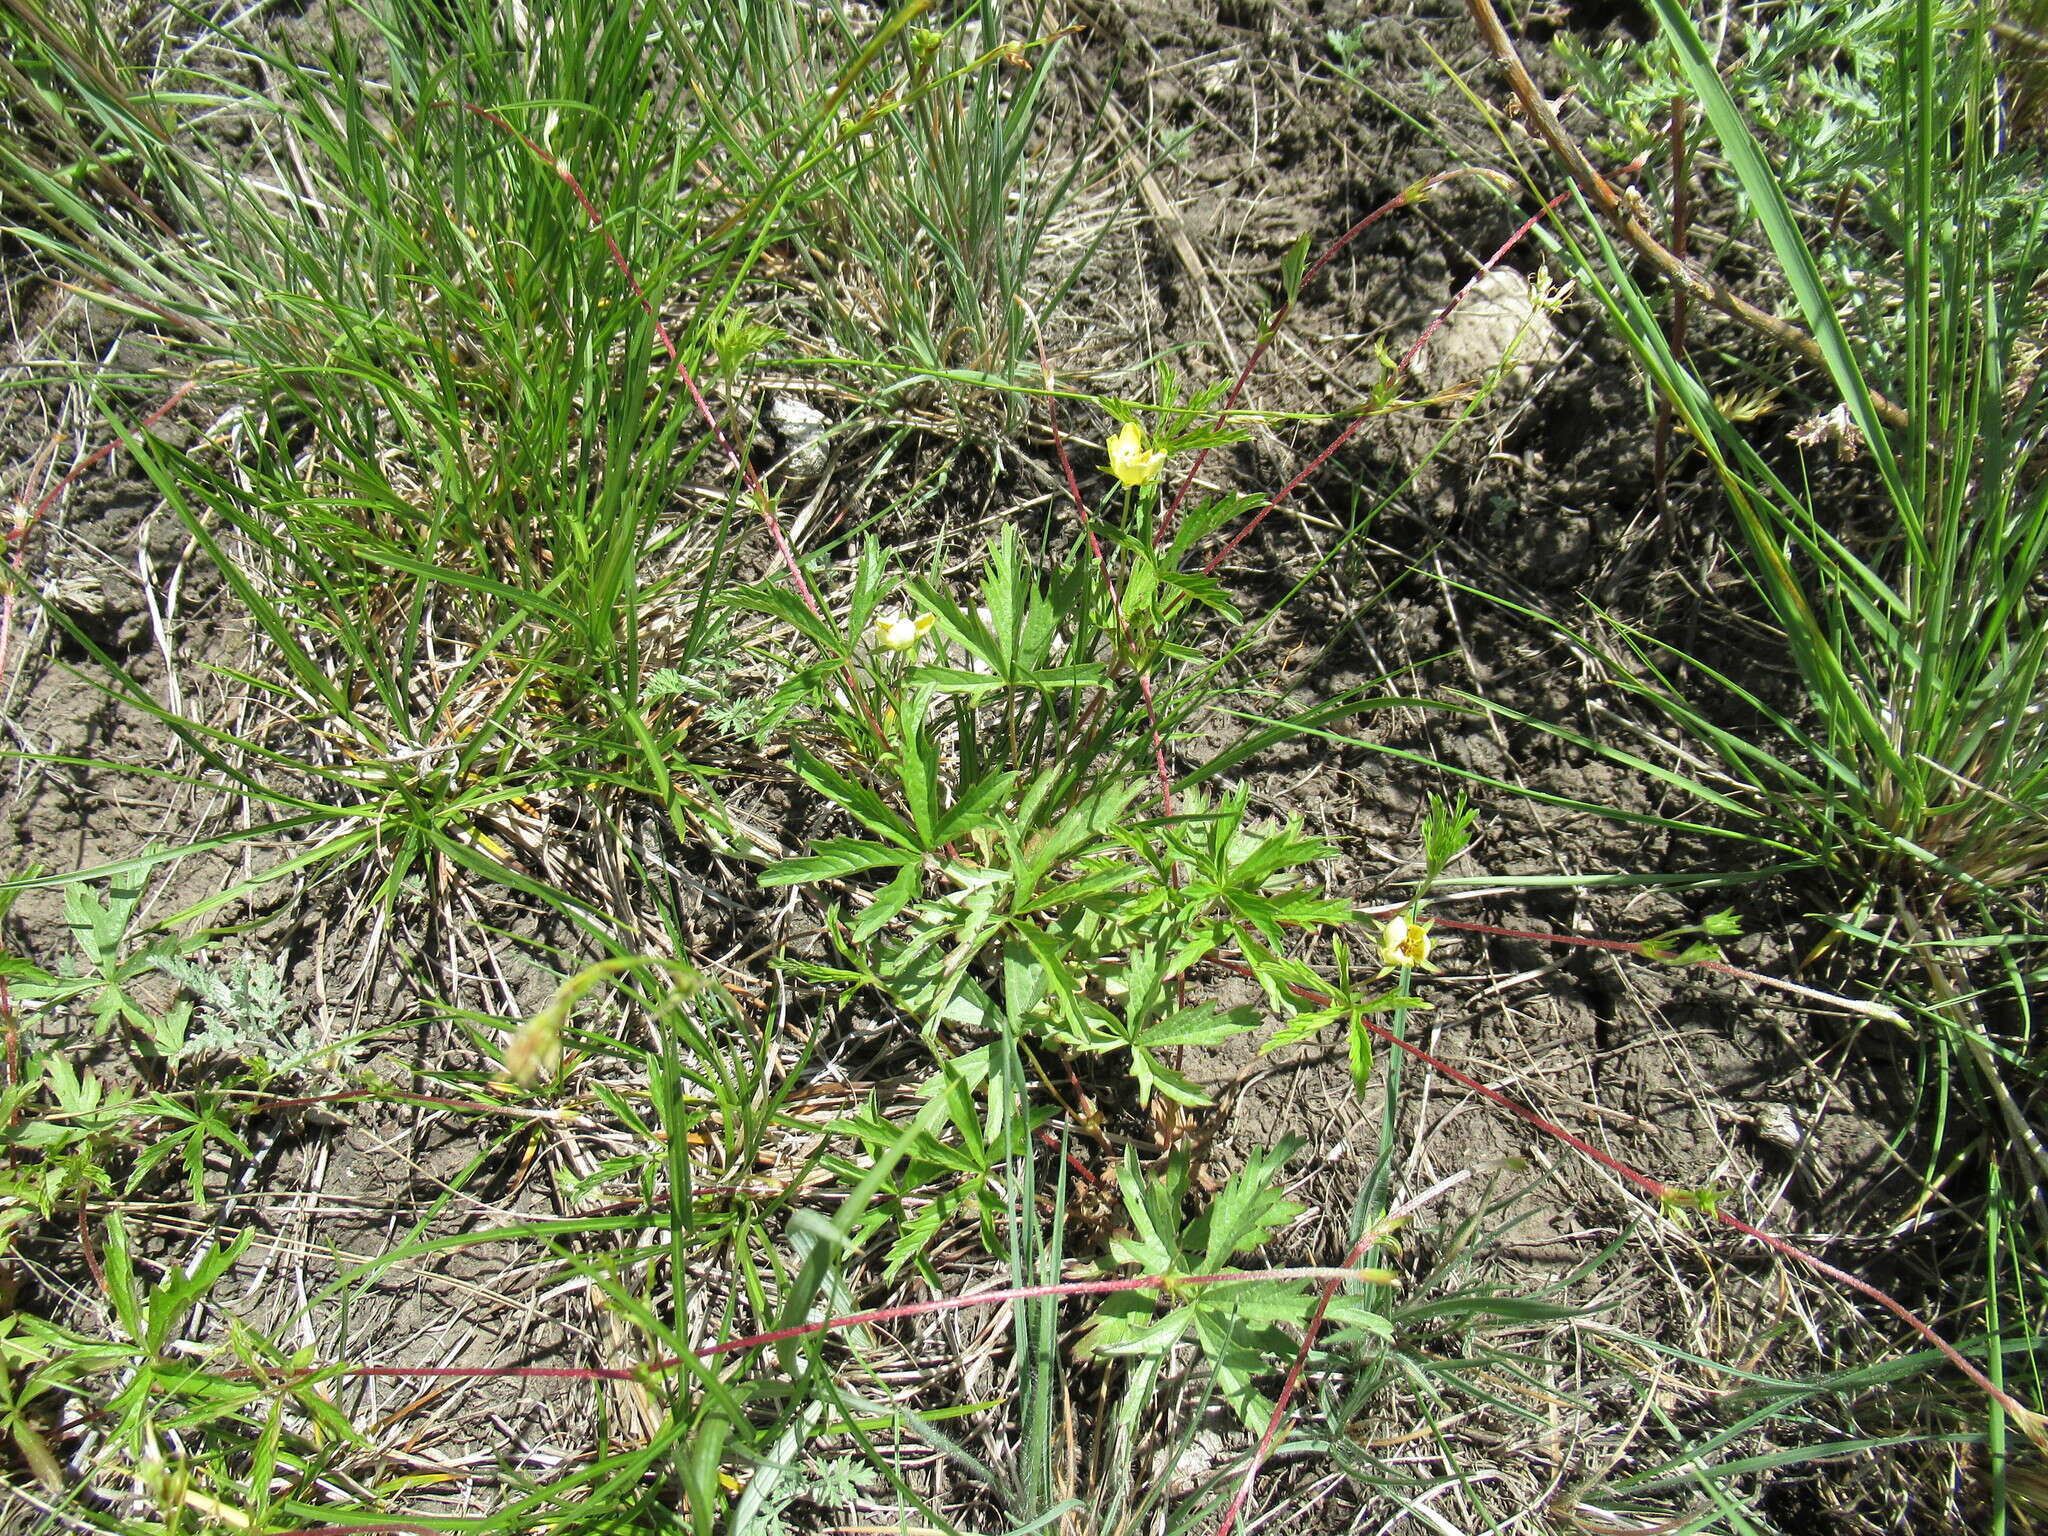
(454, 492)
(913, 184)
(1907, 776)
(1918, 759)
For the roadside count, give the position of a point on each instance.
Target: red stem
(1062, 1289)
(1415, 194)
(1278, 1419)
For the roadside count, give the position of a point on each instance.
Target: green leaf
(1123, 1334)
(15, 969)
(1239, 1352)
(1153, 1202)
(1126, 1323)
(1295, 262)
(833, 859)
(1154, 1076)
(1302, 1027)
(1199, 1024)
(121, 1288)
(889, 901)
(779, 602)
(857, 800)
(1247, 1211)
(975, 809)
(954, 680)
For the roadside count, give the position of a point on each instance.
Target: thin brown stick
(1643, 951)
(1619, 212)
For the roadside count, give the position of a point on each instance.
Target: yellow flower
(895, 631)
(1404, 944)
(1129, 459)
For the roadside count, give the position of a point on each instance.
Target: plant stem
(1335, 1275)
(1721, 967)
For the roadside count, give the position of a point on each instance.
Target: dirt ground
(1547, 497)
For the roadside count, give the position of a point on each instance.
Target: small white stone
(1777, 1124)
(1499, 317)
(800, 429)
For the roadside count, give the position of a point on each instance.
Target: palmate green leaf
(931, 981)
(1282, 850)
(1200, 936)
(1153, 1202)
(918, 774)
(1058, 982)
(1198, 1024)
(1206, 590)
(955, 680)
(1239, 1350)
(1350, 1322)
(99, 923)
(777, 601)
(888, 902)
(1263, 1302)
(1285, 980)
(1089, 891)
(1130, 1324)
(1302, 1027)
(30, 980)
(917, 1233)
(1038, 844)
(1247, 1211)
(1153, 1076)
(117, 1255)
(1025, 983)
(974, 809)
(81, 1097)
(1291, 909)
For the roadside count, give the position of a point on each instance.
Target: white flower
(1404, 944)
(896, 631)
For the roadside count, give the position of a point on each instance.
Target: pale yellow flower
(1404, 943)
(1130, 460)
(894, 631)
